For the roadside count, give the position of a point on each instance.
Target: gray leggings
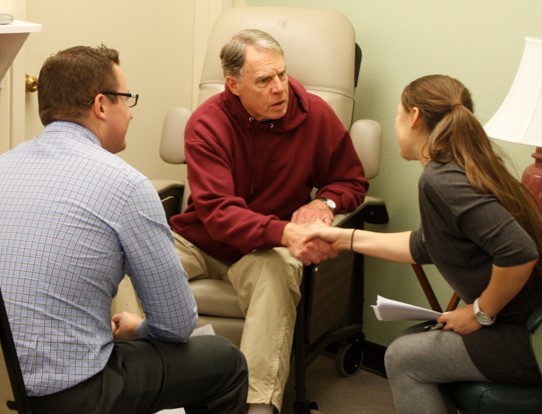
(416, 363)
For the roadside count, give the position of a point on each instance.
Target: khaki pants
(267, 284)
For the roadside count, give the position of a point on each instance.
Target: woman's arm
(504, 285)
(388, 246)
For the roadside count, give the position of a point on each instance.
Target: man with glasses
(75, 219)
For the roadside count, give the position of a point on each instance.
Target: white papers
(204, 330)
(392, 310)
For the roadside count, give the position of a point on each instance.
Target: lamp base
(532, 179)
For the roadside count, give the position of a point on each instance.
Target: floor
(363, 393)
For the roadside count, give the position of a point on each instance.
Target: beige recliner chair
(321, 52)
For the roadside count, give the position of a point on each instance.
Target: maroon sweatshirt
(247, 177)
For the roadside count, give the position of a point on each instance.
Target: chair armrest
(171, 195)
(373, 210)
(163, 186)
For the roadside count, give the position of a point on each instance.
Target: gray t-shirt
(464, 232)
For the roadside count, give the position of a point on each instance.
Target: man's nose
(276, 84)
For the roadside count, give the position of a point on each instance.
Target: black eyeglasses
(131, 98)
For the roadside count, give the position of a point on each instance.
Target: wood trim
(17, 130)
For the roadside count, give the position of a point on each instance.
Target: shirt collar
(71, 130)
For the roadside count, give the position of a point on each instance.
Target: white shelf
(12, 38)
(18, 26)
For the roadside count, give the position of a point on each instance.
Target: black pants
(207, 374)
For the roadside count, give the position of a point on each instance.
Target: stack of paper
(204, 330)
(392, 310)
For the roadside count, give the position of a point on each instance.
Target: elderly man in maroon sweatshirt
(254, 153)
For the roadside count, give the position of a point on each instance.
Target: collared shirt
(74, 220)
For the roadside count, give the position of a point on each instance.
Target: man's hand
(124, 325)
(314, 211)
(296, 237)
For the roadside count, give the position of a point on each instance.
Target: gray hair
(233, 53)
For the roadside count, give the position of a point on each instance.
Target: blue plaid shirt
(74, 219)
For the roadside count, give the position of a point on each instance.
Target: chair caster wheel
(349, 358)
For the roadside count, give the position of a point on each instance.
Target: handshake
(310, 237)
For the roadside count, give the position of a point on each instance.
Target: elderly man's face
(263, 85)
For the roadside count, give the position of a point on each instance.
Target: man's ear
(98, 107)
(232, 85)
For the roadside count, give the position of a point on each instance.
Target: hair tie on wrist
(352, 240)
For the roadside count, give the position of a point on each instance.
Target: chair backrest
(13, 398)
(319, 48)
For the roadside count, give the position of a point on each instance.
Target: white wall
(156, 52)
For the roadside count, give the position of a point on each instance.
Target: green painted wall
(479, 42)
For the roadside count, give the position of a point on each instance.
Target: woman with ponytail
(481, 231)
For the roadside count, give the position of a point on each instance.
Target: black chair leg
(301, 404)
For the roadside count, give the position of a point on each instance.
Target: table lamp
(519, 118)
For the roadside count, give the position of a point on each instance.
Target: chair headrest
(319, 48)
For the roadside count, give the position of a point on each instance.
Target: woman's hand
(461, 320)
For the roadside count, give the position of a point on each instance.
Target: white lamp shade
(519, 118)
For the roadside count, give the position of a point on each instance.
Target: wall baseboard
(373, 358)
